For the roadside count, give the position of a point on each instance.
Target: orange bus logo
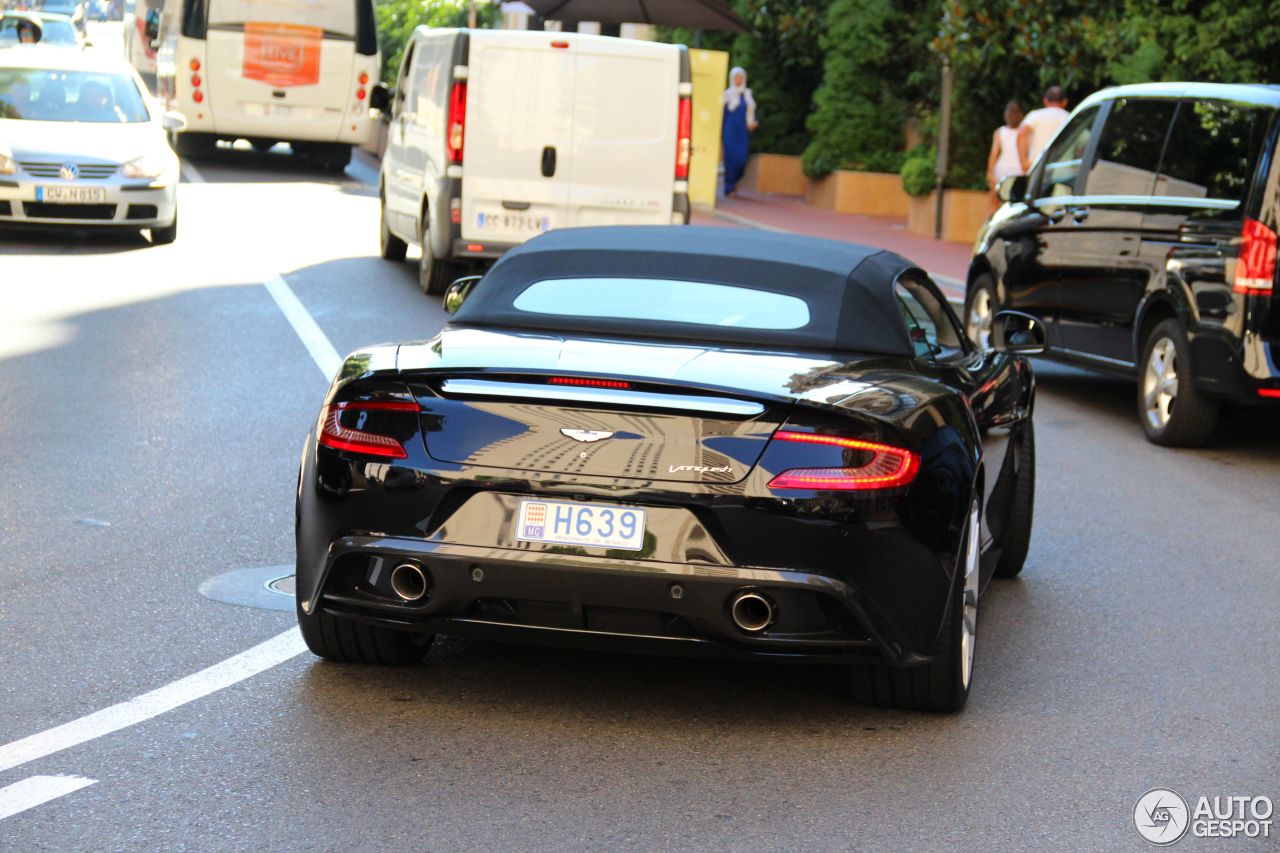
(282, 54)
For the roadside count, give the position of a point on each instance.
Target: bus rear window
(335, 17)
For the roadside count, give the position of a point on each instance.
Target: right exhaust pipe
(751, 611)
(410, 582)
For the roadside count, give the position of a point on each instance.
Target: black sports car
(682, 440)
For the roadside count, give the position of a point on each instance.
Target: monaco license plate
(581, 524)
(528, 223)
(72, 195)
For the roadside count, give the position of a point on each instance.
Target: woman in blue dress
(739, 122)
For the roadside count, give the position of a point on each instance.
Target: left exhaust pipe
(410, 582)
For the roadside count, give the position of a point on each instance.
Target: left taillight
(877, 466)
(684, 141)
(1256, 266)
(343, 427)
(457, 121)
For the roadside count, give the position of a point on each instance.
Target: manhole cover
(266, 587)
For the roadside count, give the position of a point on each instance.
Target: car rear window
(664, 301)
(1212, 150)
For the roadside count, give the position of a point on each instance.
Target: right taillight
(1256, 265)
(353, 437)
(883, 466)
(684, 129)
(457, 121)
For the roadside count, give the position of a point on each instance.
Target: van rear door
(625, 111)
(272, 61)
(519, 133)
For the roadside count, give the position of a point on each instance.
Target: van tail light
(457, 121)
(885, 466)
(351, 437)
(1256, 266)
(684, 129)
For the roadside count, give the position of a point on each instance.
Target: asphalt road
(152, 405)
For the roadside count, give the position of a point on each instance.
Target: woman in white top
(1004, 160)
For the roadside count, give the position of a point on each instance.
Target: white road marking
(38, 790)
(191, 173)
(225, 673)
(313, 338)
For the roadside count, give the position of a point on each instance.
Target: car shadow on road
(59, 240)
(1246, 430)
(241, 163)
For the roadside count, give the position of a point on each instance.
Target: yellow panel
(710, 70)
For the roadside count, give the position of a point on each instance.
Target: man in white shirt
(1040, 125)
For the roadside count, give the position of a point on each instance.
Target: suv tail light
(887, 467)
(357, 440)
(1256, 266)
(684, 128)
(457, 121)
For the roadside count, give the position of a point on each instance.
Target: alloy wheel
(978, 320)
(1160, 383)
(969, 612)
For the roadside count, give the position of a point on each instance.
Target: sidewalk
(947, 262)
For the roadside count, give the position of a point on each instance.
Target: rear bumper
(602, 603)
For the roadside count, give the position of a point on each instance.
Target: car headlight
(7, 166)
(146, 166)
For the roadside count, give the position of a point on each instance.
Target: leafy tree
(397, 20)
(876, 74)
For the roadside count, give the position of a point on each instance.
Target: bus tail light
(457, 121)
(684, 127)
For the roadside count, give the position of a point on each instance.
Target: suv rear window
(1212, 150)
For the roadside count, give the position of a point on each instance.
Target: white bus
(268, 71)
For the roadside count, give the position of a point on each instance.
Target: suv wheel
(1173, 412)
(980, 310)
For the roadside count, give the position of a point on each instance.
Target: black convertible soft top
(848, 288)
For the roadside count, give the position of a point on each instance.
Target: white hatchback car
(82, 144)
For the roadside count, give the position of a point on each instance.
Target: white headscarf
(734, 94)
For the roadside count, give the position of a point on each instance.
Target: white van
(499, 135)
(296, 71)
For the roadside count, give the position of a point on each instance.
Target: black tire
(194, 144)
(977, 330)
(1185, 418)
(165, 234)
(392, 247)
(434, 274)
(940, 684)
(344, 641)
(331, 156)
(1015, 535)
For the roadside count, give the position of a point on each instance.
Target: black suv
(1145, 239)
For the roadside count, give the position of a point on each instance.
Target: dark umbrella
(694, 14)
